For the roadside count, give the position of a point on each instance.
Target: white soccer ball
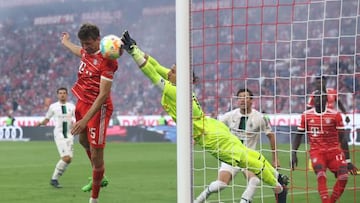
(110, 47)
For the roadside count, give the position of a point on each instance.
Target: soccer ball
(110, 47)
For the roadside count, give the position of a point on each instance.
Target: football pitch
(138, 172)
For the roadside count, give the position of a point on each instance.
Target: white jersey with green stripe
(255, 124)
(63, 116)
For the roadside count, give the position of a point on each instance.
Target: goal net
(276, 48)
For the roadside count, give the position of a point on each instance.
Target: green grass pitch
(138, 172)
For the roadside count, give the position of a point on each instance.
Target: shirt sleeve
(50, 112)
(163, 71)
(150, 72)
(266, 127)
(109, 69)
(339, 121)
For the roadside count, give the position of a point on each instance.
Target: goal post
(183, 102)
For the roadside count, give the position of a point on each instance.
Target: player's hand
(65, 37)
(347, 119)
(294, 160)
(352, 168)
(128, 41)
(79, 127)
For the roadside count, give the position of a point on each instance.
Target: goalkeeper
(209, 133)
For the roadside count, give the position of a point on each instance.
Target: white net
(276, 48)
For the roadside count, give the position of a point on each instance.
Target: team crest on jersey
(95, 62)
(312, 121)
(314, 160)
(328, 121)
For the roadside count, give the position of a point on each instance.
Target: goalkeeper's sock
(214, 186)
(59, 169)
(138, 55)
(250, 189)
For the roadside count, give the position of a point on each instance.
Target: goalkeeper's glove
(129, 43)
(294, 160)
(352, 168)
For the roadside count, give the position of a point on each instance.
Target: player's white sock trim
(250, 190)
(93, 200)
(214, 186)
(59, 169)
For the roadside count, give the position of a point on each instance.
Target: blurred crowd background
(274, 51)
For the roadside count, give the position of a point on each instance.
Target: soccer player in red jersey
(332, 99)
(94, 106)
(324, 126)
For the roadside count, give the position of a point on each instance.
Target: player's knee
(217, 186)
(343, 177)
(318, 168)
(254, 181)
(67, 159)
(342, 173)
(320, 174)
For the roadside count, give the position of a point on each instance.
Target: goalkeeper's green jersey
(211, 134)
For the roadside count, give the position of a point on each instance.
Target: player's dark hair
(318, 94)
(245, 90)
(62, 88)
(88, 31)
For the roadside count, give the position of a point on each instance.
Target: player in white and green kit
(209, 133)
(63, 113)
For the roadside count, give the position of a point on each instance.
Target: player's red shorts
(334, 160)
(96, 127)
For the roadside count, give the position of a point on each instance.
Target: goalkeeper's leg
(255, 162)
(226, 172)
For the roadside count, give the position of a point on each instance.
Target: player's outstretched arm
(73, 48)
(272, 140)
(295, 146)
(146, 63)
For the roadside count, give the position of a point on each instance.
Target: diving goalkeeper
(211, 134)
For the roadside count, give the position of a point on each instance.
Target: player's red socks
(322, 188)
(98, 174)
(339, 187)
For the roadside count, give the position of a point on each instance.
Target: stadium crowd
(277, 57)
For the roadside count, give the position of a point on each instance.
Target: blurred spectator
(10, 120)
(275, 62)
